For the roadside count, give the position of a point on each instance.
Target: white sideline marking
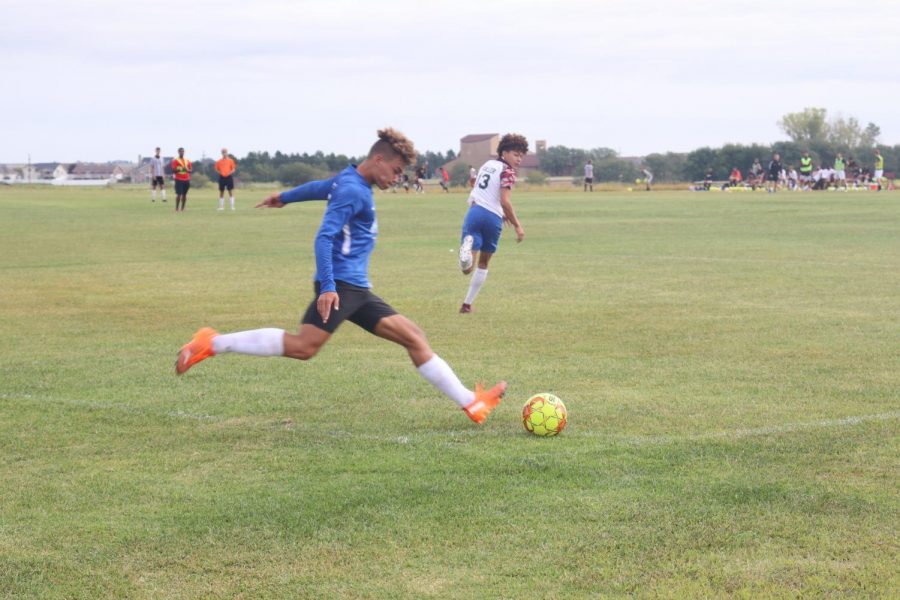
(742, 432)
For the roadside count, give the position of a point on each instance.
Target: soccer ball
(544, 415)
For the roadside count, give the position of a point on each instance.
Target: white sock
(232, 201)
(478, 278)
(258, 342)
(439, 374)
(221, 202)
(164, 194)
(153, 195)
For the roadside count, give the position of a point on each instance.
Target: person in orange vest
(182, 168)
(225, 167)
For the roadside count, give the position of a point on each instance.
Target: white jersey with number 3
(493, 176)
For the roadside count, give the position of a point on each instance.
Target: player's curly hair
(512, 141)
(393, 143)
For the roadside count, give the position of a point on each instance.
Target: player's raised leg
(465, 254)
(477, 281)
(476, 404)
(268, 341)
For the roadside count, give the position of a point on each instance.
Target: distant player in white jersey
(489, 207)
(157, 177)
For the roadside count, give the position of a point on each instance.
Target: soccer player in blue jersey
(343, 245)
(489, 207)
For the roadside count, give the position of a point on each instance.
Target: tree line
(810, 129)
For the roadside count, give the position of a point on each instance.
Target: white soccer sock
(258, 342)
(439, 374)
(164, 194)
(478, 278)
(153, 195)
(221, 202)
(231, 198)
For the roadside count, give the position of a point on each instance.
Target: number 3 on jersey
(485, 180)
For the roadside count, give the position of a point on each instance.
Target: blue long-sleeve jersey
(347, 234)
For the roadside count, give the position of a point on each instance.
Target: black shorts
(589, 180)
(182, 187)
(772, 177)
(157, 181)
(358, 305)
(226, 182)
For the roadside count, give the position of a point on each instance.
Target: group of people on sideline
(182, 168)
(842, 174)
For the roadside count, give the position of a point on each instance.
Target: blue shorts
(484, 227)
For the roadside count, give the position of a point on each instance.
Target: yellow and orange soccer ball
(544, 415)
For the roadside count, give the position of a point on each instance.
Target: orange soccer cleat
(199, 348)
(485, 401)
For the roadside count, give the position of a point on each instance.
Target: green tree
(700, 160)
(810, 125)
(294, 174)
(536, 177)
(459, 174)
(667, 167)
(870, 135)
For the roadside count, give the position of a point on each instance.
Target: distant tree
(560, 160)
(845, 134)
(810, 125)
(199, 180)
(294, 174)
(601, 153)
(667, 167)
(536, 177)
(258, 172)
(614, 169)
(870, 135)
(700, 160)
(459, 174)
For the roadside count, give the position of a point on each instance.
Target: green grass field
(729, 362)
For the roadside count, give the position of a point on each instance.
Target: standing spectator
(773, 173)
(182, 168)
(792, 178)
(734, 179)
(853, 170)
(420, 177)
(589, 175)
(756, 174)
(840, 172)
(707, 179)
(445, 179)
(225, 167)
(472, 174)
(157, 177)
(648, 176)
(806, 169)
(879, 168)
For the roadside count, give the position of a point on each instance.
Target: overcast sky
(102, 80)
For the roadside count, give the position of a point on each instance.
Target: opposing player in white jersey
(489, 207)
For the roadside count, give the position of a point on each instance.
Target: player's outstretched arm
(273, 201)
(509, 215)
(313, 190)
